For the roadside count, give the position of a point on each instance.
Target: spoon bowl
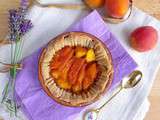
(134, 78)
(91, 114)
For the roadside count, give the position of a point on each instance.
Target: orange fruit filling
(74, 68)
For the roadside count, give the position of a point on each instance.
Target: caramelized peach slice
(80, 52)
(78, 85)
(64, 84)
(60, 75)
(62, 57)
(86, 83)
(91, 74)
(74, 70)
(55, 74)
(64, 71)
(90, 55)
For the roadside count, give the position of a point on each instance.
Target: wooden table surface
(152, 7)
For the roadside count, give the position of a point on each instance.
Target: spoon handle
(114, 95)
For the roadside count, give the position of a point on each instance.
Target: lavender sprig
(23, 7)
(18, 27)
(17, 23)
(25, 26)
(14, 24)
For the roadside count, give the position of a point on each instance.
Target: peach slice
(64, 84)
(64, 71)
(78, 85)
(55, 74)
(80, 52)
(90, 56)
(62, 74)
(74, 70)
(62, 57)
(91, 74)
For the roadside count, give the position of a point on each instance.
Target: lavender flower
(17, 23)
(25, 26)
(24, 4)
(14, 24)
(23, 7)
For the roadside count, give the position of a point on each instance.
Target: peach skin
(144, 38)
(117, 8)
(94, 3)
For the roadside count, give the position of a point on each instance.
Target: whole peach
(144, 38)
(94, 3)
(117, 8)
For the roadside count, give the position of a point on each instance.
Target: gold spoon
(133, 79)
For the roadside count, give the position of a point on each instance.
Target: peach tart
(75, 68)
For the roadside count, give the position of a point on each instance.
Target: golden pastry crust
(103, 58)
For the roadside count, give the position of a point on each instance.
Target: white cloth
(48, 22)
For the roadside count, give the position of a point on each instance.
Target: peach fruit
(144, 38)
(94, 3)
(117, 8)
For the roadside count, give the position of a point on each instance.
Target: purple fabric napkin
(35, 102)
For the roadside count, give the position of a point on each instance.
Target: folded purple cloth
(35, 102)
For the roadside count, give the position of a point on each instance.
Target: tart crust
(103, 58)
